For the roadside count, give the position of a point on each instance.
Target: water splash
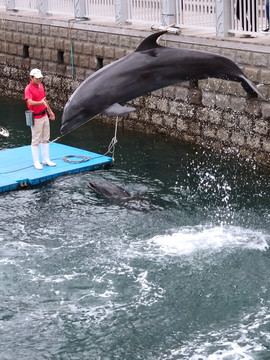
(190, 240)
(246, 341)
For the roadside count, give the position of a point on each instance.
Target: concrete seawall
(215, 114)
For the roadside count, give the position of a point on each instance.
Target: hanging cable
(70, 24)
(111, 147)
(75, 128)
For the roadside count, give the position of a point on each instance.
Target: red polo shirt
(35, 93)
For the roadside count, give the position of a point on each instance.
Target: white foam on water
(36, 277)
(26, 246)
(150, 292)
(108, 294)
(6, 261)
(189, 240)
(250, 338)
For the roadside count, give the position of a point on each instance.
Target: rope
(77, 127)
(83, 159)
(23, 168)
(111, 147)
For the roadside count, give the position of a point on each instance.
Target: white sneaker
(35, 154)
(45, 155)
(38, 165)
(48, 162)
(265, 31)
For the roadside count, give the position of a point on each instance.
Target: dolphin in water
(148, 68)
(109, 190)
(117, 195)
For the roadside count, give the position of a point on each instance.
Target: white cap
(36, 73)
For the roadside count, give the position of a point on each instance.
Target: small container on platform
(29, 116)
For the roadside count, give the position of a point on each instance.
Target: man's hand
(44, 102)
(51, 115)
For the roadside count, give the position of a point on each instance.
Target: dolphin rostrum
(148, 68)
(109, 190)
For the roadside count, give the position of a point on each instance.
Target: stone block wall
(213, 113)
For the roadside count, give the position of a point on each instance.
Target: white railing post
(121, 11)
(43, 7)
(10, 5)
(223, 17)
(168, 12)
(79, 9)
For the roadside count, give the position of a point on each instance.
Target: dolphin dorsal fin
(150, 42)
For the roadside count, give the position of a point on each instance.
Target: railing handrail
(231, 16)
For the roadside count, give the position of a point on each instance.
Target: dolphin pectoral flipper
(117, 110)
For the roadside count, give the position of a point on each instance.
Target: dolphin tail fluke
(117, 110)
(250, 88)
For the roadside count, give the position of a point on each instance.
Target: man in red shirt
(35, 98)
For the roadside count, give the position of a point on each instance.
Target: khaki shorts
(40, 131)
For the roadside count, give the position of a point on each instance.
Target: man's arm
(51, 113)
(36, 103)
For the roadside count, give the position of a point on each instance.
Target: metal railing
(28, 5)
(196, 13)
(148, 11)
(100, 8)
(241, 16)
(248, 16)
(61, 7)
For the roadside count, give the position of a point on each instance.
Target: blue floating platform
(17, 170)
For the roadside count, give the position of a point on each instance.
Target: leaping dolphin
(148, 68)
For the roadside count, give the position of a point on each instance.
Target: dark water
(181, 271)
